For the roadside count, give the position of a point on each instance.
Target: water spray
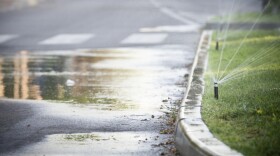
(216, 90)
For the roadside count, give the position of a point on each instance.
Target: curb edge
(192, 136)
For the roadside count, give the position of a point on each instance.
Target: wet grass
(247, 114)
(251, 18)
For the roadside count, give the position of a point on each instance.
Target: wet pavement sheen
(109, 99)
(114, 79)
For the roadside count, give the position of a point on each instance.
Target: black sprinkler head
(216, 90)
(217, 45)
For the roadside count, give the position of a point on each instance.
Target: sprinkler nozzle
(217, 45)
(216, 90)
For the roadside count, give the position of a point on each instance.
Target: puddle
(115, 79)
(117, 143)
(118, 94)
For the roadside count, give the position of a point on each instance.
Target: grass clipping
(247, 115)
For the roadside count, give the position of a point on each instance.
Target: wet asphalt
(72, 93)
(102, 96)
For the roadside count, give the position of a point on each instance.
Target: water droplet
(70, 83)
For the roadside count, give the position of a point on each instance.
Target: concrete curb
(192, 136)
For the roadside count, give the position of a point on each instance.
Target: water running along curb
(192, 136)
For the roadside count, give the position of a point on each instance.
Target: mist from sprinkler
(222, 75)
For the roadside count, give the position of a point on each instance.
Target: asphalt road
(106, 22)
(75, 56)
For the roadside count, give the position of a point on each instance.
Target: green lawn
(247, 114)
(250, 18)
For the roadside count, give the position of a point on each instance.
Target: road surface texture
(93, 77)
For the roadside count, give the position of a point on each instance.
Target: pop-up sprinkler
(216, 90)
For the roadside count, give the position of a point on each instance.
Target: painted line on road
(194, 17)
(5, 38)
(142, 38)
(173, 14)
(171, 28)
(67, 39)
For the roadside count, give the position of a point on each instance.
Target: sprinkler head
(216, 90)
(217, 45)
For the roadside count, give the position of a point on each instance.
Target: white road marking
(5, 38)
(176, 16)
(196, 18)
(141, 38)
(171, 13)
(172, 28)
(67, 39)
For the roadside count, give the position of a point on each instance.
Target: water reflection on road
(114, 79)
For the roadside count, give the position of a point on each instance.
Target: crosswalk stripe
(5, 38)
(171, 28)
(67, 39)
(144, 38)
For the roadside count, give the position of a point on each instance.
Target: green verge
(249, 18)
(247, 115)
